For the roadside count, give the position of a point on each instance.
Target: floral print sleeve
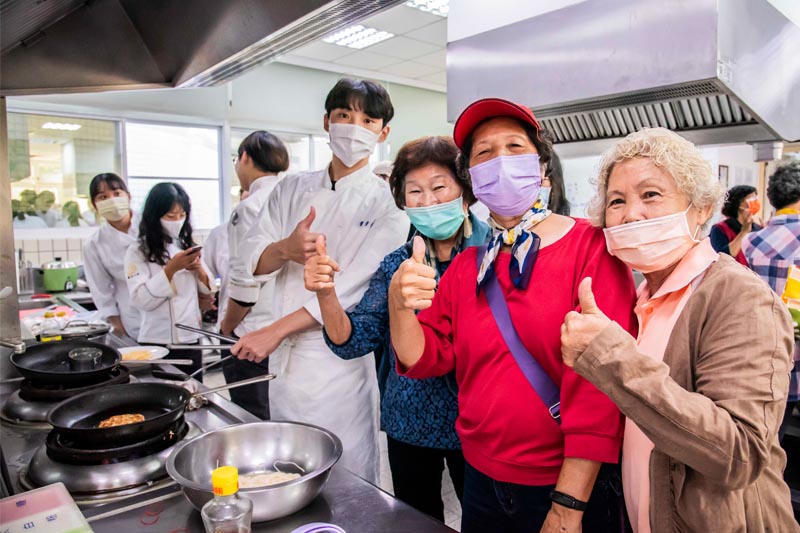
(370, 318)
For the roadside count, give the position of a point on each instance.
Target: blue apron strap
(545, 388)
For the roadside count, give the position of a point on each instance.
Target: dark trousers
(417, 475)
(252, 398)
(195, 355)
(500, 507)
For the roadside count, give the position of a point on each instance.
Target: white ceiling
(414, 56)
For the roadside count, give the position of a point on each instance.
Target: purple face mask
(508, 185)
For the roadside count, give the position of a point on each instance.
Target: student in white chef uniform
(260, 161)
(165, 271)
(355, 212)
(104, 254)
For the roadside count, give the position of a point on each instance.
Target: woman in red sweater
(531, 463)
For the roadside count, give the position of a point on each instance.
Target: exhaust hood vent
(674, 108)
(717, 71)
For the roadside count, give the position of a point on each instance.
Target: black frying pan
(48, 362)
(78, 417)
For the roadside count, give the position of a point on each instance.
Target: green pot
(60, 275)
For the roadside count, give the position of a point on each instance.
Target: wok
(48, 363)
(161, 404)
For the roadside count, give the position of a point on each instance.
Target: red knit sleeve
(591, 423)
(438, 358)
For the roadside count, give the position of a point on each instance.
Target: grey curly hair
(669, 151)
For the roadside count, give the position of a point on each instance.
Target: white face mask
(351, 143)
(173, 227)
(114, 209)
(653, 244)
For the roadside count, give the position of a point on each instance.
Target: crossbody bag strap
(544, 387)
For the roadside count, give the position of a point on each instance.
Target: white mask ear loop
(697, 229)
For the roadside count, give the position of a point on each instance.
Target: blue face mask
(438, 221)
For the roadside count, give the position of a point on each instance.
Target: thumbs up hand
(579, 329)
(320, 269)
(414, 284)
(301, 244)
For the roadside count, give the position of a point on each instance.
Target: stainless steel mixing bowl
(255, 447)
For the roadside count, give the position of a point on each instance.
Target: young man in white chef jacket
(354, 211)
(261, 159)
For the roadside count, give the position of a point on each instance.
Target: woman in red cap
(533, 432)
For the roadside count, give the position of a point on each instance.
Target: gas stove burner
(29, 405)
(40, 392)
(103, 482)
(63, 450)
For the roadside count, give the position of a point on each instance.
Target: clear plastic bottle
(227, 512)
(62, 319)
(50, 331)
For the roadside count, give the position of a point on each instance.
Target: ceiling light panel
(434, 7)
(358, 37)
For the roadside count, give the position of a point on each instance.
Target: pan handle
(229, 340)
(174, 362)
(235, 384)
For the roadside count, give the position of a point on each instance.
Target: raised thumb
(306, 222)
(322, 250)
(419, 250)
(586, 298)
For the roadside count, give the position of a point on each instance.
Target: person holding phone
(165, 271)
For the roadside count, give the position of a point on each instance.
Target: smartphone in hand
(193, 250)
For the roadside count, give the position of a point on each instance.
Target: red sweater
(505, 429)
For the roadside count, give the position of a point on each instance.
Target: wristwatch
(567, 501)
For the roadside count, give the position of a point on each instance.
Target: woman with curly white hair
(704, 384)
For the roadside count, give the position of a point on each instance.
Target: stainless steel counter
(347, 500)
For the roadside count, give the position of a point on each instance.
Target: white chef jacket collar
(353, 177)
(263, 181)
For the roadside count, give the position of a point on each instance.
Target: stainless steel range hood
(58, 46)
(715, 70)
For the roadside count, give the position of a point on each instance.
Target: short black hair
(266, 150)
(414, 154)
(730, 207)
(112, 181)
(152, 239)
(361, 95)
(784, 185)
(539, 138)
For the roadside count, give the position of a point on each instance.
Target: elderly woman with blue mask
(704, 384)
(533, 432)
(418, 416)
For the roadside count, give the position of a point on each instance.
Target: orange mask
(754, 206)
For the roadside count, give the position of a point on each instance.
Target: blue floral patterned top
(421, 412)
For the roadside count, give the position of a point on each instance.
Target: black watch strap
(567, 501)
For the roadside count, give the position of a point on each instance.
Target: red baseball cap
(480, 110)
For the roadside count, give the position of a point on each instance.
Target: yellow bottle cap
(225, 480)
(61, 313)
(49, 314)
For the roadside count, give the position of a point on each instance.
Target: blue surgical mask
(439, 221)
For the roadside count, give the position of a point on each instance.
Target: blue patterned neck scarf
(524, 248)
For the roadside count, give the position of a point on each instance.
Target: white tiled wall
(41, 250)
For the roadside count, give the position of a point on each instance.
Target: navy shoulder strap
(545, 388)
